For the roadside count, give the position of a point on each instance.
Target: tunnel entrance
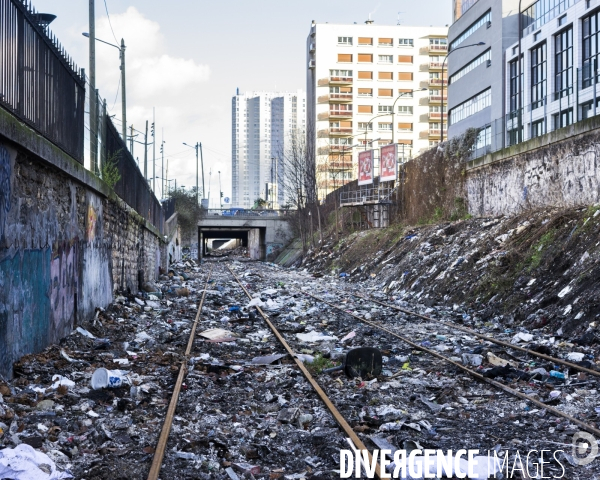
(251, 238)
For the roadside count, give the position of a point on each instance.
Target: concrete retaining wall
(560, 169)
(66, 243)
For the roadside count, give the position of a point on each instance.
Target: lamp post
(443, 67)
(220, 191)
(394, 109)
(123, 89)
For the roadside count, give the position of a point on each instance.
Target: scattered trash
(25, 463)
(103, 378)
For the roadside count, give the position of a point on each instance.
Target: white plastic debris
(314, 337)
(84, 332)
(522, 337)
(60, 380)
(25, 463)
(575, 356)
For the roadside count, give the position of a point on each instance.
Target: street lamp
(443, 66)
(394, 109)
(123, 93)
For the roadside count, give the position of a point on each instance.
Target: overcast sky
(186, 58)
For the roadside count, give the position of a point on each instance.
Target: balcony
(340, 97)
(438, 82)
(340, 165)
(436, 65)
(438, 48)
(312, 47)
(340, 131)
(340, 114)
(340, 80)
(436, 133)
(340, 149)
(437, 98)
(437, 115)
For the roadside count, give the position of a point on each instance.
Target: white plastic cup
(103, 378)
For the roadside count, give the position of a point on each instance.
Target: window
(365, 58)
(405, 110)
(542, 11)
(386, 59)
(484, 57)
(514, 102)
(365, 92)
(405, 93)
(405, 59)
(438, 41)
(362, 126)
(563, 119)
(405, 127)
(385, 92)
(365, 109)
(471, 29)
(344, 40)
(405, 42)
(385, 126)
(587, 109)
(405, 76)
(365, 41)
(340, 73)
(563, 63)
(470, 107)
(484, 138)
(345, 57)
(385, 76)
(365, 75)
(590, 48)
(538, 76)
(538, 128)
(386, 42)
(384, 109)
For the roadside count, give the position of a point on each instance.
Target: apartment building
(559, 49)
(476, 72)
(263, 125)
(367, 85)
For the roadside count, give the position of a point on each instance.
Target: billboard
(388, 161)
(365, 167)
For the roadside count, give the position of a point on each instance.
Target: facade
(559, 50)
(263, 125)
(356, 75)
(476, 74)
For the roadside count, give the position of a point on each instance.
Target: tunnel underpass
(251, 238)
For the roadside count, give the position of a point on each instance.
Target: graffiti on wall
(5, 192)
(64, 286)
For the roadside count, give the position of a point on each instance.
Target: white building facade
(263, 124)
(559, 48)
(370, 84)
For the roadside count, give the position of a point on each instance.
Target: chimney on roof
(369, 21)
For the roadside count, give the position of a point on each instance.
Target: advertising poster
(388, 161)
(365, 167)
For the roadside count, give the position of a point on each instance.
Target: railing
(340, 130)
(437, 98)
(438, 81)
(245, 213)
(438, 48)
(340, 79)
(436, 64)
(340, 113)
(437, 115)
(39, 82)
(340, 96)
(366, 194)
(132, 187)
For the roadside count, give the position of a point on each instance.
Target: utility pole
(202, 165)
(92, 90)
(146, 153)
(197, 192)
(220, 192)
(153, 152)
(123, 91)
(131, 140)
(162, 152)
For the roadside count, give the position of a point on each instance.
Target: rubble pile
(540, 268)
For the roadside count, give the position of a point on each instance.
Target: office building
(356, 75)
(263, 125)
(476, 73)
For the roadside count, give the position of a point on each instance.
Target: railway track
(327, 391)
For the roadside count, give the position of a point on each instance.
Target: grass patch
(538, 249)
(319, 364)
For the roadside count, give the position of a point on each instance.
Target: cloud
(154, 78)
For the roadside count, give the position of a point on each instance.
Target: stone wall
(560, 169)
(66, 243)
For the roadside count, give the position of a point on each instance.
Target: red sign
(365, 167)
(388, 160)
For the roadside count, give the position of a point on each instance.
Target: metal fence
(39, 82)
(577, 102)
(131, 187)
